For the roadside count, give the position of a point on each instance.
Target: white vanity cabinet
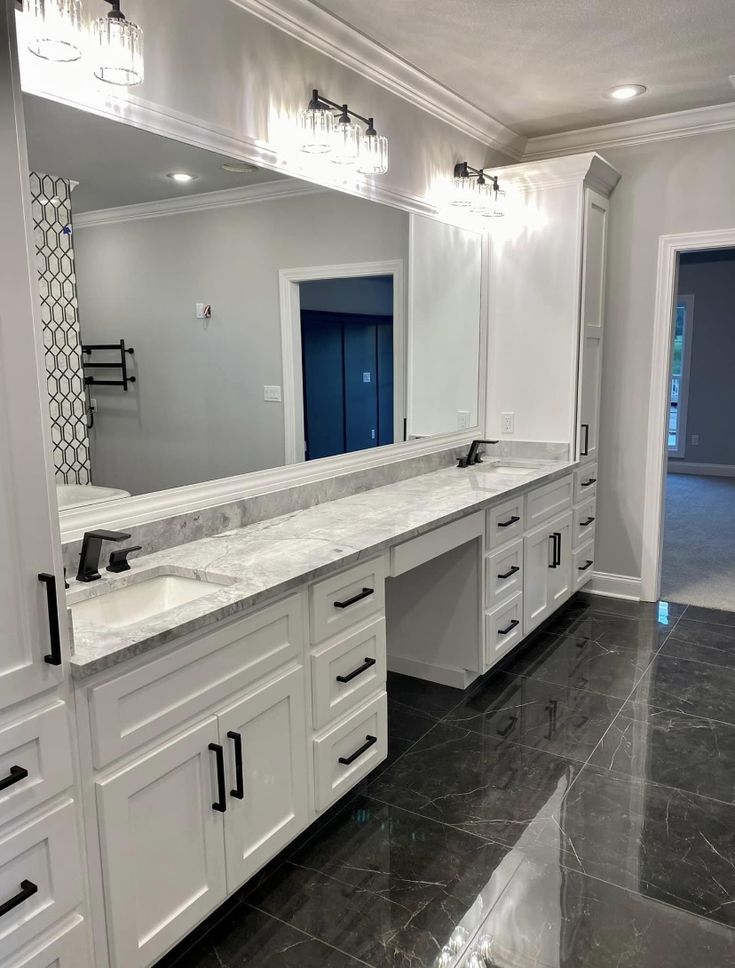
(548, 563)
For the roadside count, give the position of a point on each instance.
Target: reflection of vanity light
(238, 168)
(477, 191)
(55, 29)
(118, 48)
(339, 138)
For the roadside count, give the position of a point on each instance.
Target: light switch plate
(695, 440)
(272, 394)
(508, 421)
(463, 420)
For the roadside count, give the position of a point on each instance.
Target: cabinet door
(264, 734)
(593, 305)
(547, 568)
(162, 846)
(29, 542)
(560, 578)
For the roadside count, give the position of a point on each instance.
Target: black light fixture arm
(464, 170)
(116, 13)
(319, 102)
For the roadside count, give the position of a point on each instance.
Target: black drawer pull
(239, 792)
(555, 549)
(367, 663)
(27, 889)
(512, 571)
(16, 774)
(583, 524)
(510, 628)
(511, 520)
(586, 445)
(589, 483)
(586, 565)
(54, 656)
(504, 732)
(219, 805)
(355, 598)
(370, 741)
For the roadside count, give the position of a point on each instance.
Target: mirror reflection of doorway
(347, 364)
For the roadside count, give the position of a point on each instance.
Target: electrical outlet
(203, 311)
(272, 394)
(507, 422)
(463, 420)
(695, 440)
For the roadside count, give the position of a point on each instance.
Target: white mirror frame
(145, 508)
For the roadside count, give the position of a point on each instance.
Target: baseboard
(614, 586)
(709, 470)
(459, 678)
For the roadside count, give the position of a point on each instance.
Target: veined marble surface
(263, 560)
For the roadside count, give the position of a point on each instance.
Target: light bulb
(118, 45)
(55, 28)
(345, 143)
(464, 192)
(373, 155)
(316, 128)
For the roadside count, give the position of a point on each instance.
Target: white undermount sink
(502, 468)
(142, 600)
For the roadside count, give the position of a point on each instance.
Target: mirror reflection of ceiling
(116, 164)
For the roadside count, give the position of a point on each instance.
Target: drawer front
(35, 760)
(585, 482)
(67, 949)
(349, 751)
(344, 599)
(503, 629)
(344, 673)
(503, 573)
(545, 502)
(583, 527)
(134, 708)
(583, 564)
(40, 876)
(409, 555)
(505, 522)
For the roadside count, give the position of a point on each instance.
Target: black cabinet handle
(589, 483)
(583, 524)
(586, 447)
(221, 804)
(27, 889)
(16, 774)
(555, 539)
(512, 571)
(367, 663)
(369, 741)
(239, 792)
(511, 520)
(586, 565)
(54, 656)
(355, 598)
(504, 732)
(510, 627)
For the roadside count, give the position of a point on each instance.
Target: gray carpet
(699, 541)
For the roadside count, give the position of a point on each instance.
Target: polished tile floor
(576, 809)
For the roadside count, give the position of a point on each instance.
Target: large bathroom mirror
(204, 318)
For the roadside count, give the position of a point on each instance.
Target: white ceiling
(543, 66)
(116, 164)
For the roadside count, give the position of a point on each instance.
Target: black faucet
(472, 456)
(89, 563)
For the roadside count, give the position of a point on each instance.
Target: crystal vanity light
(477, 191)
(332, 130)
(118, 48)
(55, 29)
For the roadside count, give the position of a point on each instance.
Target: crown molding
(587, 167)
(315, 27)
(226, 198)
(660, 127)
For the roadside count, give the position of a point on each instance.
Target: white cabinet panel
(547, 570)
(504, 629)
(585, 516)
(267, 803)
(543, 503)
(162, 857)
(346, 671)
(342, 600)
(585, 483)
(66, 949)
(592, 324)
(583, 564)
(505, 521)
(503, 573)
(560, 578)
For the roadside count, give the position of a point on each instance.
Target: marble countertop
(261, 561)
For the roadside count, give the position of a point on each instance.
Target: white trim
(683, 405)
(538, 175)
(290, 314)
(457, 678)
(226, 198)
(331, 36)
(660, 127)
(669, 247)
(705, 470)
(614, 586)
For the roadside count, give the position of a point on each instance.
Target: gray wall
(683, 185)
(197, 411)
(372, 295)
(710, 277)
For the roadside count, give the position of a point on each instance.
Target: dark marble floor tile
(405, 727)
(686, 752)
(644, 635)
(430, 698)
(647, 611)
(687, 686)
(548, 917)
(246, 938)
(385, 884)
(704, 642)
(545, 715)
(481, 784)
(668, 845)
(715, 616)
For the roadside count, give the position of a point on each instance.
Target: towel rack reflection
(121, 366)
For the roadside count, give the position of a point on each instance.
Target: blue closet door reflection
(323, 374)
(361, 384)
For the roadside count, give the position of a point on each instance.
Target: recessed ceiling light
(181, 176)
(624, 92)
(238, 168)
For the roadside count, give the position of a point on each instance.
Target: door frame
(290, 313)
(657, 452)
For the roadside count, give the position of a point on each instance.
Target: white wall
(682, 185)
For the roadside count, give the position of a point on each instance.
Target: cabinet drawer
(503, 573)
(40, 873)
(349, 751)
(545, 502)
(409, 555)
(503, 629)
(585, 482)
(35, 760)
(68, 948)
(344, 673)
(584, 522)
(583, 564)
(344, 599)
(505, 522)
(134, 708)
